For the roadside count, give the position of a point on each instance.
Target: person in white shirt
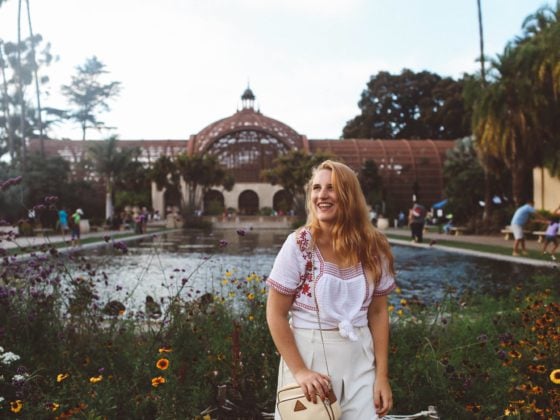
(340, 265)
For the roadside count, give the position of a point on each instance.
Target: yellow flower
(228, 273)
(251, 318)
(61, 376)
(391, 308)
(54, 406)
(206, 417)
(96, 379)
(400, 312)
(404, 302)
(515, 354)
(16, 406)
(398, 291)
(165, 349)
(555, 376)
(225, 282)
(162, 363)
(157, 381)
(231, 294)
(251, 296)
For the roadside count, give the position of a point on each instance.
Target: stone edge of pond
(508, 258)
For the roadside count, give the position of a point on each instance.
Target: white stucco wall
(546, 190)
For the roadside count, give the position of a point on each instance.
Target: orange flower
(515, 354)
(61, 376)
(162, 363)
(157, 381)
(165, 349)
(96, 379)
(53, 406)
(16, 406)
(473, 407)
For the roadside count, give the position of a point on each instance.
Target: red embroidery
(306, 278)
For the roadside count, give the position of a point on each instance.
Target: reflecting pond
(192, 262)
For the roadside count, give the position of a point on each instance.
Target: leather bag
(292, 405)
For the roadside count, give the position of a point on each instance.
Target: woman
(340, 259)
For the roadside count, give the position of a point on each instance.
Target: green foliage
(201, 172)
(89, 94)
(410, 106)
(292, 171)
(371, 183)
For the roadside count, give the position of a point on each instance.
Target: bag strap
(317, 305)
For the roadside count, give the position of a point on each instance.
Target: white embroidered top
(343, 294)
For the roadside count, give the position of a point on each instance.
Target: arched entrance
(248, 203)
(282, 202)
(213, 203)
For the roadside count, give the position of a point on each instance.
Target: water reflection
(193, 263)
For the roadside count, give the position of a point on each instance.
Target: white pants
(351, 365)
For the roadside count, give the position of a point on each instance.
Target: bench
(540, 234)
(508, 234)
(457, 230)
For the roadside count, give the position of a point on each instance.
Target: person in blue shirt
(518, 221)
(63, 221)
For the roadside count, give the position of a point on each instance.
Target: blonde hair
(354, 237)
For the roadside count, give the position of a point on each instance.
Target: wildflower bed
(211, 356)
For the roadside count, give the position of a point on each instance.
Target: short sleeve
(386, 284)
(288, 267)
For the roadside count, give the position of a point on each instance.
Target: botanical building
(248, 142)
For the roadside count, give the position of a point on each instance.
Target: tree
(410, 106)
(201, 172)
(165, 173)
(19, 64)
(89, 95)
(292, 171)
(111, 162)
(516, 118)
(539, 48)
(464, 182)
(371, 183)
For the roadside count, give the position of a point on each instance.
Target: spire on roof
(248, 98)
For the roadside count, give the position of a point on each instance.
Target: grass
(506, 249)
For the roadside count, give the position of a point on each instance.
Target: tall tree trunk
(488, 203)
(481, 36)
(6, 107)
(37, 91)
(20, 93)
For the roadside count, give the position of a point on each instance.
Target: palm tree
(540, 45)
(506, 121)
(36, 77)
(481, 36)
(110, 161)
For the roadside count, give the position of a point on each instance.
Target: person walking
(416, 220)
(518, 222)
(334, 275)
(551, 236)
(63, 221)
(75, 226)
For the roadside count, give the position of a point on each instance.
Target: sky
(184, 64)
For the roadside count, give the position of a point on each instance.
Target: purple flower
(120, 245)
(223, 243)
(241, 232)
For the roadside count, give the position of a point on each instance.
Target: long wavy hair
(353, 235)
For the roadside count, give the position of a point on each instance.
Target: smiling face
(323, 197)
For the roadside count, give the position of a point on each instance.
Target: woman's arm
(378, 320)
(312, 383)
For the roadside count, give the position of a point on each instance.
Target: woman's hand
(313, 384)
(382, 396)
